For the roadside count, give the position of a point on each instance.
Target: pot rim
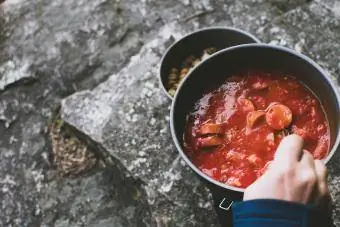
(226, 28)
(312, 63)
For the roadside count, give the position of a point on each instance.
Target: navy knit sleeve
(269, 213)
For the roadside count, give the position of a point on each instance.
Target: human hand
(293, 176)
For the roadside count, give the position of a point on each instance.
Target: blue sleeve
(269, 213)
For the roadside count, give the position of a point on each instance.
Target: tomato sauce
(233, 132)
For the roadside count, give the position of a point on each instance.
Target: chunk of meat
(279, 116)
(254, 117)
(210, 128)
(210, 141)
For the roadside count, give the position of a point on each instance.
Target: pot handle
(225, 204)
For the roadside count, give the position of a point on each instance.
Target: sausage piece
(211, 128)
(279, 116)
(254, 117)
(210, 141)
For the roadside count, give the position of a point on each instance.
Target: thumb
(289, 150)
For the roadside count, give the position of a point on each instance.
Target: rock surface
(104, 55)
(128, 116)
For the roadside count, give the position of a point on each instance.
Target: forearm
(269, 213)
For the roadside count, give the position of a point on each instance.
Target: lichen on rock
(71, 156)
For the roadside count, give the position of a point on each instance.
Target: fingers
(294, 176)
(307, 159)
(314, 173)
(321, 171)
(323, 200)
(289, 150)
(321, 174)
(307, 177)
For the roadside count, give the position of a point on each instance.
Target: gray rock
(95, 200)
(310, 29)
(123, 122)
(63, 47)
(332, 5)
(8, 109)
(128, 116)
(56, 48)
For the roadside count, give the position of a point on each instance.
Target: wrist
(277, 212)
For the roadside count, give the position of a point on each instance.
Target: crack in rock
(126, 130)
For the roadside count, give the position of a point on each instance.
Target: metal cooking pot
(225, 63)
(195, 42)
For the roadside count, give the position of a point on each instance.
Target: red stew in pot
(233, 132)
